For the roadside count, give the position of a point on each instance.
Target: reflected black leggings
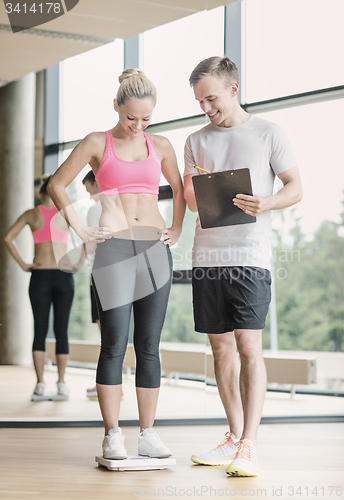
(128, 275)
(51, 286)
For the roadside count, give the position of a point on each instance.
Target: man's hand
(288, 195)
(251, 205)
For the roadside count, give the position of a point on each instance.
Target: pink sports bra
(116, 176)
(49, 231)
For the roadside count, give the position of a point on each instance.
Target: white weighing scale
(135, 462)
(49, 397)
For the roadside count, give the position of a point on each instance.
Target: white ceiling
(89, 24)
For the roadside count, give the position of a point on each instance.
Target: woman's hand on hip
(30, 267)
(170, 236)
(95, 234)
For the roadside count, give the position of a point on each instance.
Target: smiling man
(231, 265)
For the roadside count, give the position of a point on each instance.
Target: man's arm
(189, 193)
(290, 194)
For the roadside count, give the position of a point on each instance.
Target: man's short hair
(222, 67)
(89, 177)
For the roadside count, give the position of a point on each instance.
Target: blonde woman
(49, 285)
(133, 265)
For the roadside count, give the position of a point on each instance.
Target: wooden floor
(299, 461)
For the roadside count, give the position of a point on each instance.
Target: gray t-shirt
(260, 146)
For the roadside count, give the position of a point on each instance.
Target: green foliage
(310, 299)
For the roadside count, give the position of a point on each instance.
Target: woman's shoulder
(32, 213)
(92, 145)
(160, 142)
(32, 216)
(163, 147)
(94, 138)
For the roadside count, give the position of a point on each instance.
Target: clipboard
(214, 194)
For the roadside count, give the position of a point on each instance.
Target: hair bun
(44, 182)
(45, 178)
(128, 73)
(134, 84)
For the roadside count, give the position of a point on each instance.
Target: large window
(308, 238)
(88, 86)
(315, 132)
(170, 53)
(292, 46)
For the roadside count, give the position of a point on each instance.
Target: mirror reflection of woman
(133, 265)
(49, 285)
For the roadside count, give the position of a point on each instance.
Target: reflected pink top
(49, 231)
(116, 176)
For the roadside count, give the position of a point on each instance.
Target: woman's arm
(89, 150)
(11, 235)
(171, 173)
(189, 193)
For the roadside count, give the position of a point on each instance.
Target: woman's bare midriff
(47, 254)
(123, 212)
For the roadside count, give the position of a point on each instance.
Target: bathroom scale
(135, 462)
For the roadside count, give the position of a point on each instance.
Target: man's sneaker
(113, 445)
(62, 389)
(151, 445)
(223, 454)
(245, 463)
(39, 389)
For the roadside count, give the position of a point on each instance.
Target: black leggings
(131, 274)
(51, 286)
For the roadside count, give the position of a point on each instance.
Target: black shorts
(228, 298)
(94, 309)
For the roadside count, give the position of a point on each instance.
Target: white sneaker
(245, 463)
(62, 389)
(113, 445)
(39, 389)
(223, 454)
(93, 395)
(151, 445)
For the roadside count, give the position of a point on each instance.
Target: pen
(199, 168)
